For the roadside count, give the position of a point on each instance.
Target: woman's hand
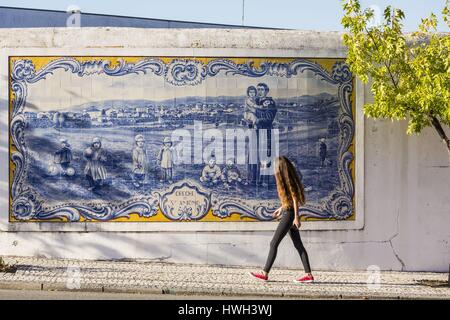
(297, 223)
(277, 213)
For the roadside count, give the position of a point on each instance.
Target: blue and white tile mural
(177, 139)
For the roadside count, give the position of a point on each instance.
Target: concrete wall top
(171, 38)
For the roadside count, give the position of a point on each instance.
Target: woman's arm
(296, 217)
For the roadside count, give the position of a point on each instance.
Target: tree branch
(437, 125)
(385, 63)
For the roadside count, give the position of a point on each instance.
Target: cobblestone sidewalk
(157, 277)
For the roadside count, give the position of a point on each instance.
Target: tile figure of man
(265, 112)
(95, 170)
(322, 151)
(266, 178)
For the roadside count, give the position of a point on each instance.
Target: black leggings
(286, 224)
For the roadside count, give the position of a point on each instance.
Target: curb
(36, 286)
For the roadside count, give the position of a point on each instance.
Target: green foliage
(409, 74)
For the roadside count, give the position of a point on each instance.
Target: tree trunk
(437, 125)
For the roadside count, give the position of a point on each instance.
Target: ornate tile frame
(338, 76)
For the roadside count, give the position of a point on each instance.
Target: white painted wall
(404, 180)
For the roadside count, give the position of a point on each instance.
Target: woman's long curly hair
(289, 186)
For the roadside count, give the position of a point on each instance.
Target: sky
(322, 15)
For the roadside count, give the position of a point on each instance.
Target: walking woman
(291, 194)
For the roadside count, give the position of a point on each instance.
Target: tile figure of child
(62, 159)
(140, 162)
(95, 170)
(250, 107)
(166, 159)
(231, 175)
(211, 173)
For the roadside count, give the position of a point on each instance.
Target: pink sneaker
(305, 279)
(259, 276)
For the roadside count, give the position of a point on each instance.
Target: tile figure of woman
(95, 170)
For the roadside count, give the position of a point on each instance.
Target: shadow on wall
(4, 156)
(169, 247)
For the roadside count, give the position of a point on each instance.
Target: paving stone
(214, 280)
